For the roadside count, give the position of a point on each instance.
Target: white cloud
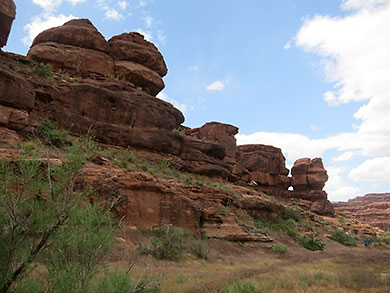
(122, 4)
(363, 4)
(287, 45)
(163, 96)
(193, 68)
(216, 86)
(146, 34)
(161, 37)
(344, 193)
(42, 22)
(48, 5)
(344, 157)
(51, 5)
(373, 170)
(354, 49)
(148, 21)
(113, 14)
(336, 187)
(74, 2)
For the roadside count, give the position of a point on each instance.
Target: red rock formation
(308, 179)
(140, 75)
(373, 208)
(76, 45)
(133, 47)
(7, 16)
(143, 200)
(308, 174)
(266, 166)
(221, 133)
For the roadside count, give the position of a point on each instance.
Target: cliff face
(107, 90)
(373, 208)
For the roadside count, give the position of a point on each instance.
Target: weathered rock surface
(7, 16)
(373, 208)
(140, 75)
(133, 47)
(79, 33)
(308, 179)
(83, 60)
(221, 133)
(143, 200)
(15, 91)
(308, 174)
(266, 166)
(77, 45)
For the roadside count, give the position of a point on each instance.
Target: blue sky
(310, 77)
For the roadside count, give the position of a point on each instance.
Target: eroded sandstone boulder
(76, 32)
(220, 133)
(308, 174)
(15, 91)
(77, 45)
(133, 47)
(266, 166)
(7, 16)
(140, 75)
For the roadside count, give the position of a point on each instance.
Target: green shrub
(44, 220)
(280, 248)
(51, 135)
(310, 242)
(342, 238)
(289, 213)
(241, 287)
(169, 243)
(118, 282)
(44, 70)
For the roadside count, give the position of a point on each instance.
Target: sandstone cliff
(73, 77)
(373, 208)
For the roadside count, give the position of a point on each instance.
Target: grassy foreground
(257, 268)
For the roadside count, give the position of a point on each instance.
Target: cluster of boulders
(113, 99)
(265, 167)
(79, 46)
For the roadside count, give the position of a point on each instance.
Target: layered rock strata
(373, 208)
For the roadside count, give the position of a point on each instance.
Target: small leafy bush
(289, 213)
(44, 70)
(51, 135)
(310, 242)
(169, 243)
(280, 248)
(241, 287)
(118, 282)
(342, 238)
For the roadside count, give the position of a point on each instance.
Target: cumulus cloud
(287, 45)
(363, 4)
(337, 188)
(163, 96)
(41, 23)
(344, 157)
(354, 52)
(216, 86)
(51, 5)
(122, 4)
(372, 170)
(113, 14)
